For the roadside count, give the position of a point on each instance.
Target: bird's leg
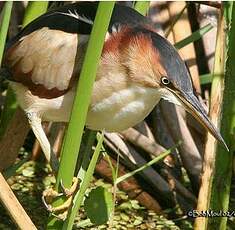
(49, 195)
(36, 125)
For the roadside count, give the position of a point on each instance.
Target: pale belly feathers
(123, 109)
(117, 111)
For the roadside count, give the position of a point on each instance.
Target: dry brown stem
(132, 159)
(210, 150)
(187, 52)
(14, 208)
(13, 139)
(142, 141)
(189, 153)
(130, 186)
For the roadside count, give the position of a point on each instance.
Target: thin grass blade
(175, 20)
(206, 78)
(194, 36)
(90, 137)
(4, 26)
(87, 178)
(155, 160)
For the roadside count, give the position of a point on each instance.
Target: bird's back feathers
(42, 56)
(79, 17)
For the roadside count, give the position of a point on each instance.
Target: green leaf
(194, 36)
(125, 206)
(83, 223)
(99, 205)
(124, 217)
(135, 204)
(28, 172)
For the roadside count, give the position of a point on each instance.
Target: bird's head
(153, 62)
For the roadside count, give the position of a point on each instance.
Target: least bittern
(137, 68)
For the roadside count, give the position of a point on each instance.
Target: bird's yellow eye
(165, 81)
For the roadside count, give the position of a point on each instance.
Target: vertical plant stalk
(215, 110)
(7, 197)
(142, 7)
(223, 162)
(87, 178)
(89, 140)
(188, 52)
(218, 168)
(74, 133)
(4, 26)
(34, 9)
(3, 34)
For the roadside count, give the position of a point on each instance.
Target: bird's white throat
(169, 96)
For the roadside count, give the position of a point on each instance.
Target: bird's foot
(50, 195)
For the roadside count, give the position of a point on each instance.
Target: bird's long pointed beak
(193, 106)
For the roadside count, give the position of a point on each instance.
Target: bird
(137, 68)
